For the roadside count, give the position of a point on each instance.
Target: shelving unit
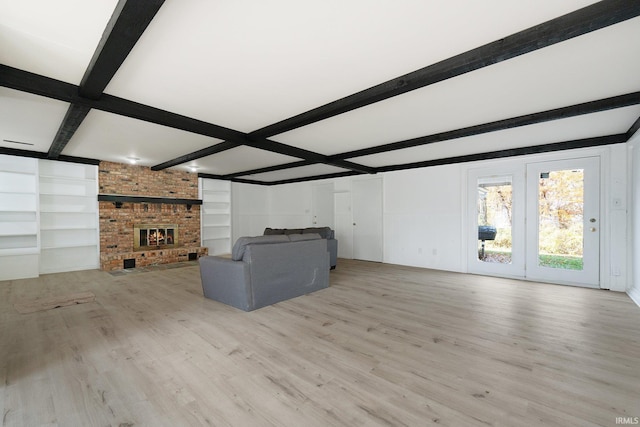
(215, 216)
(68, 217)
(19, 238)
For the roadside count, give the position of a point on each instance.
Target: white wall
(250, 210)
(634, 155)
(423, 217)
(425, 212)
(290, 205)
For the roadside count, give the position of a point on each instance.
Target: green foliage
(558, 261)
(561, 241)
(560, 201)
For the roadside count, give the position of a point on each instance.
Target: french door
(538, 221)
(563, 212)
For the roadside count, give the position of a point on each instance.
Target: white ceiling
(29, 119)
(568, 73)
(113, 137)
(605, 123)
(238, 159)
(246, 64)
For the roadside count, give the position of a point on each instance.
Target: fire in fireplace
(153, 236)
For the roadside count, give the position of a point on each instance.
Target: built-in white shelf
(68, 216)
(19, 233)
(215, 215)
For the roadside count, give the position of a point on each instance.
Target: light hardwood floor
(384, 345)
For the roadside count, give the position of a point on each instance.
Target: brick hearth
(116, 224)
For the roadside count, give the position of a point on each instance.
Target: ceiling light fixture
(193, 168)
(133, 160)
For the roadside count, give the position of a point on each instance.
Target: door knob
(593, 229)
(592, 220)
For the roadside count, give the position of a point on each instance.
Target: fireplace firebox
(154, 236)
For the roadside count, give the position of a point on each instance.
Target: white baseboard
(634, 294)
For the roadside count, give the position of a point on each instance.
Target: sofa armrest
(332, 248)
(226, 281)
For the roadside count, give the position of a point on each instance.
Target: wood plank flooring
(383, 346)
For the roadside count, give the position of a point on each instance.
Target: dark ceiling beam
(591, 18)
(633, 129)
(599, 105)
(248, 181)
(218, 148)
(522, 151)
(14, 78)
(128, 21)
(288, 150)
(37, 84)
(536, 149)
(40, 155)
(25, 81)
(582, 21)
(70, 124)
(240, 180)
(313, 178)
(269, 169)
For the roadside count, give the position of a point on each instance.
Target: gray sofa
(325, 232)
(265, 270)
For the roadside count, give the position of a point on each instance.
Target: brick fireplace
(154, 201)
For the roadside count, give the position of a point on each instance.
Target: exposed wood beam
(218, 148)
(633, 129)
(313, 178)
(71, 122)
(288, 150)
(582, 21)
(128, 21)
(270, 169)
(527, 119)
(44, 86)
(41, 155)
(37, 84)
(25, 81)
(536, 149)
(240, 180)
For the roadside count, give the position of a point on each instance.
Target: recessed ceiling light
(133, 160)
(194, 168)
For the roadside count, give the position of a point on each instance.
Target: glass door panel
(563, 231)
(496, 228)
(560, 219)
(494, 209)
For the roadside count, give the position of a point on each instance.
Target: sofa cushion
(273, 231)
(293, 231)
(301, 237)
(238, 249)
(324, 232)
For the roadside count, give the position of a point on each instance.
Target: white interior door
(367, 219)
(563, 228)
(322, 205)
